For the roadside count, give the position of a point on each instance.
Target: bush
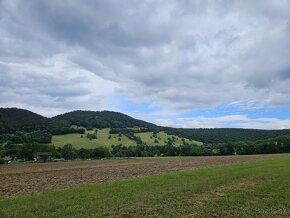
(91, 136)
(1, 161)
(68, 152)
(100, 152)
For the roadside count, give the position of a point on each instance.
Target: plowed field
(35, 177)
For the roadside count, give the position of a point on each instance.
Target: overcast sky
(182, 63)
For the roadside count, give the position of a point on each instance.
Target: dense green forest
(219, 135)
(102, 119)
(14, 119)
(39, 136)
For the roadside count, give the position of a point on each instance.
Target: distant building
(43, 157)
(8, 159)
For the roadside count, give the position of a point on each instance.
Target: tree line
(28, 151)
(270, 146)
(20, 137)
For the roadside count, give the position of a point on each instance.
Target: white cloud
(179, 54)
(53, 86)
(241, 121)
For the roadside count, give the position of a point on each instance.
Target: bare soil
(26, 178)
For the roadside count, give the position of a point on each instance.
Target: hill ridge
(17, 119)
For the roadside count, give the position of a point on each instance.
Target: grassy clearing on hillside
(148, 138)
(258, 189)
(102, 140)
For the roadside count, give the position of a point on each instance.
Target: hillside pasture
(162, 138)
(81, 141)
(104, 138)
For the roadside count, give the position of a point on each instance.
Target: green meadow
(104, 138)
(81, 141)
(257, 189)
(162, 138)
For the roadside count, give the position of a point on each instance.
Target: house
(43, 157)
(8, 159)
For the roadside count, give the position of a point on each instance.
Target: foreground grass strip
(258, 189)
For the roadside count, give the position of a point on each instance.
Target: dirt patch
(223, 191)
(28, 178)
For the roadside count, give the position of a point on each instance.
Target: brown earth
(19, 179)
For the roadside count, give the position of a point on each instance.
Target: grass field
(257, 189)
(103, 139)
(148, 138)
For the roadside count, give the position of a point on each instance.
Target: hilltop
(14, 119)
(102, 119)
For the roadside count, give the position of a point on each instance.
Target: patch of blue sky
(240, 114)
(124, 104)
(281, 112)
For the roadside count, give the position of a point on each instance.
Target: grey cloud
(179, 54)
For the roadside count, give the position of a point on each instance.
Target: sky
(180, 63)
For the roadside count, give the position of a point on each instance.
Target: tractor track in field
(17, 179)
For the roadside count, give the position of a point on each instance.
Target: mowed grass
(103, 139)
(83, 142)
(257, 189)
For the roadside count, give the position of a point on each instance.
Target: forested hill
(219, 135)
(102, 119)
(14, 119)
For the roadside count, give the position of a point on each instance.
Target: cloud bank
(177, 55)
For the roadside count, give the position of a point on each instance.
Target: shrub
(100, 152)
(91, 136)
